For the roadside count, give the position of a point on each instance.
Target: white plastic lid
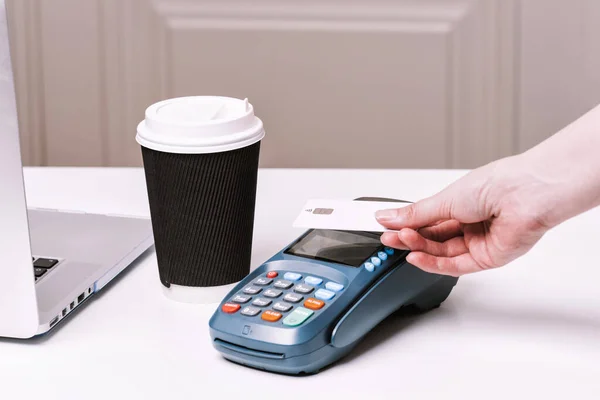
(199, 124)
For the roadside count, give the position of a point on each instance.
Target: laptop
(50, 261)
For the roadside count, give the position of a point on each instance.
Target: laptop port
(81, 297)
(72, 305)
(64, 312)
(53, 322)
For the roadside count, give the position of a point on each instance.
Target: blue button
(376, 261)
(369, 267)
(311, 280)
(335, 287)
(382, 255)
(389, 251)
(292, 276)
(324, 294)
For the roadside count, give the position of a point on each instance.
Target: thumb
(417, 215)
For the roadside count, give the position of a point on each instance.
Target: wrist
(557, 187)
(527, 191)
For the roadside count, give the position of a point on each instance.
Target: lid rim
(231, 140)
(181, 148)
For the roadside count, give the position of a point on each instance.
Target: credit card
(345, 215)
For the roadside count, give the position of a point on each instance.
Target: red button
(230, 308)
(272, 274)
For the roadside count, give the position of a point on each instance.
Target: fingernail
(386, 215)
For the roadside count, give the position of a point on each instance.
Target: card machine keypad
(299, 295)
(293, 295)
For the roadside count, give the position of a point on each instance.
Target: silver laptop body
(50, 262)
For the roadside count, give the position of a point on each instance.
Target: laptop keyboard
(42, 265)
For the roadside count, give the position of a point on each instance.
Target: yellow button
(314, 304)
(271, 316)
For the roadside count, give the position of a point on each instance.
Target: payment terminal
(311, 303)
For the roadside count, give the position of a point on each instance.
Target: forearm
(568, 166)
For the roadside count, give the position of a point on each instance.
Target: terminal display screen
(340, 247)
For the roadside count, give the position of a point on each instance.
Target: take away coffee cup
(200, 158)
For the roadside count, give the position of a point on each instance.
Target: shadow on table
(530, 318)
(505, 317)
(388, 329)
(75, 313)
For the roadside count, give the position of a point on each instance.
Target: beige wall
(381, 84)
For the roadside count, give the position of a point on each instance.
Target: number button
(376, 261)
(250, 311)
(271, 316)
(369, 267)
(298, 316)
(324, 294)
(382, 255)
(273, 293)
(282, 307)
(334, 287)
(281, 284)
(303, 289)
(261, 302)
(263, 281)
(311, 280)
(252, 290)
(292, 276)
(230, 308)
(292, 298)
(314, 304)
(241, 299)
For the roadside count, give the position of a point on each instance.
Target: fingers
(442, 231)
(391, 239)
(416, 242)
(452, 266)
(450, 257)
(416, 215)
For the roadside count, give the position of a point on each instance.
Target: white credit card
(344, 215)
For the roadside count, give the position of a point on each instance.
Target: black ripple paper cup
(201, 157)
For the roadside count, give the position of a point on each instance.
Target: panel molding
(591, 54)
(443, 11)
(301, 17)
(484, 84)
(29, 79)
(112, 78)
(133, 73)
(56, 122)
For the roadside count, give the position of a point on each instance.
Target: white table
(530, 329)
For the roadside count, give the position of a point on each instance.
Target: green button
(298, 316)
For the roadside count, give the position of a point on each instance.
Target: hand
(484, 220)
(499, 212)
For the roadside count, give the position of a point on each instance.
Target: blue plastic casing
(370, 294)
